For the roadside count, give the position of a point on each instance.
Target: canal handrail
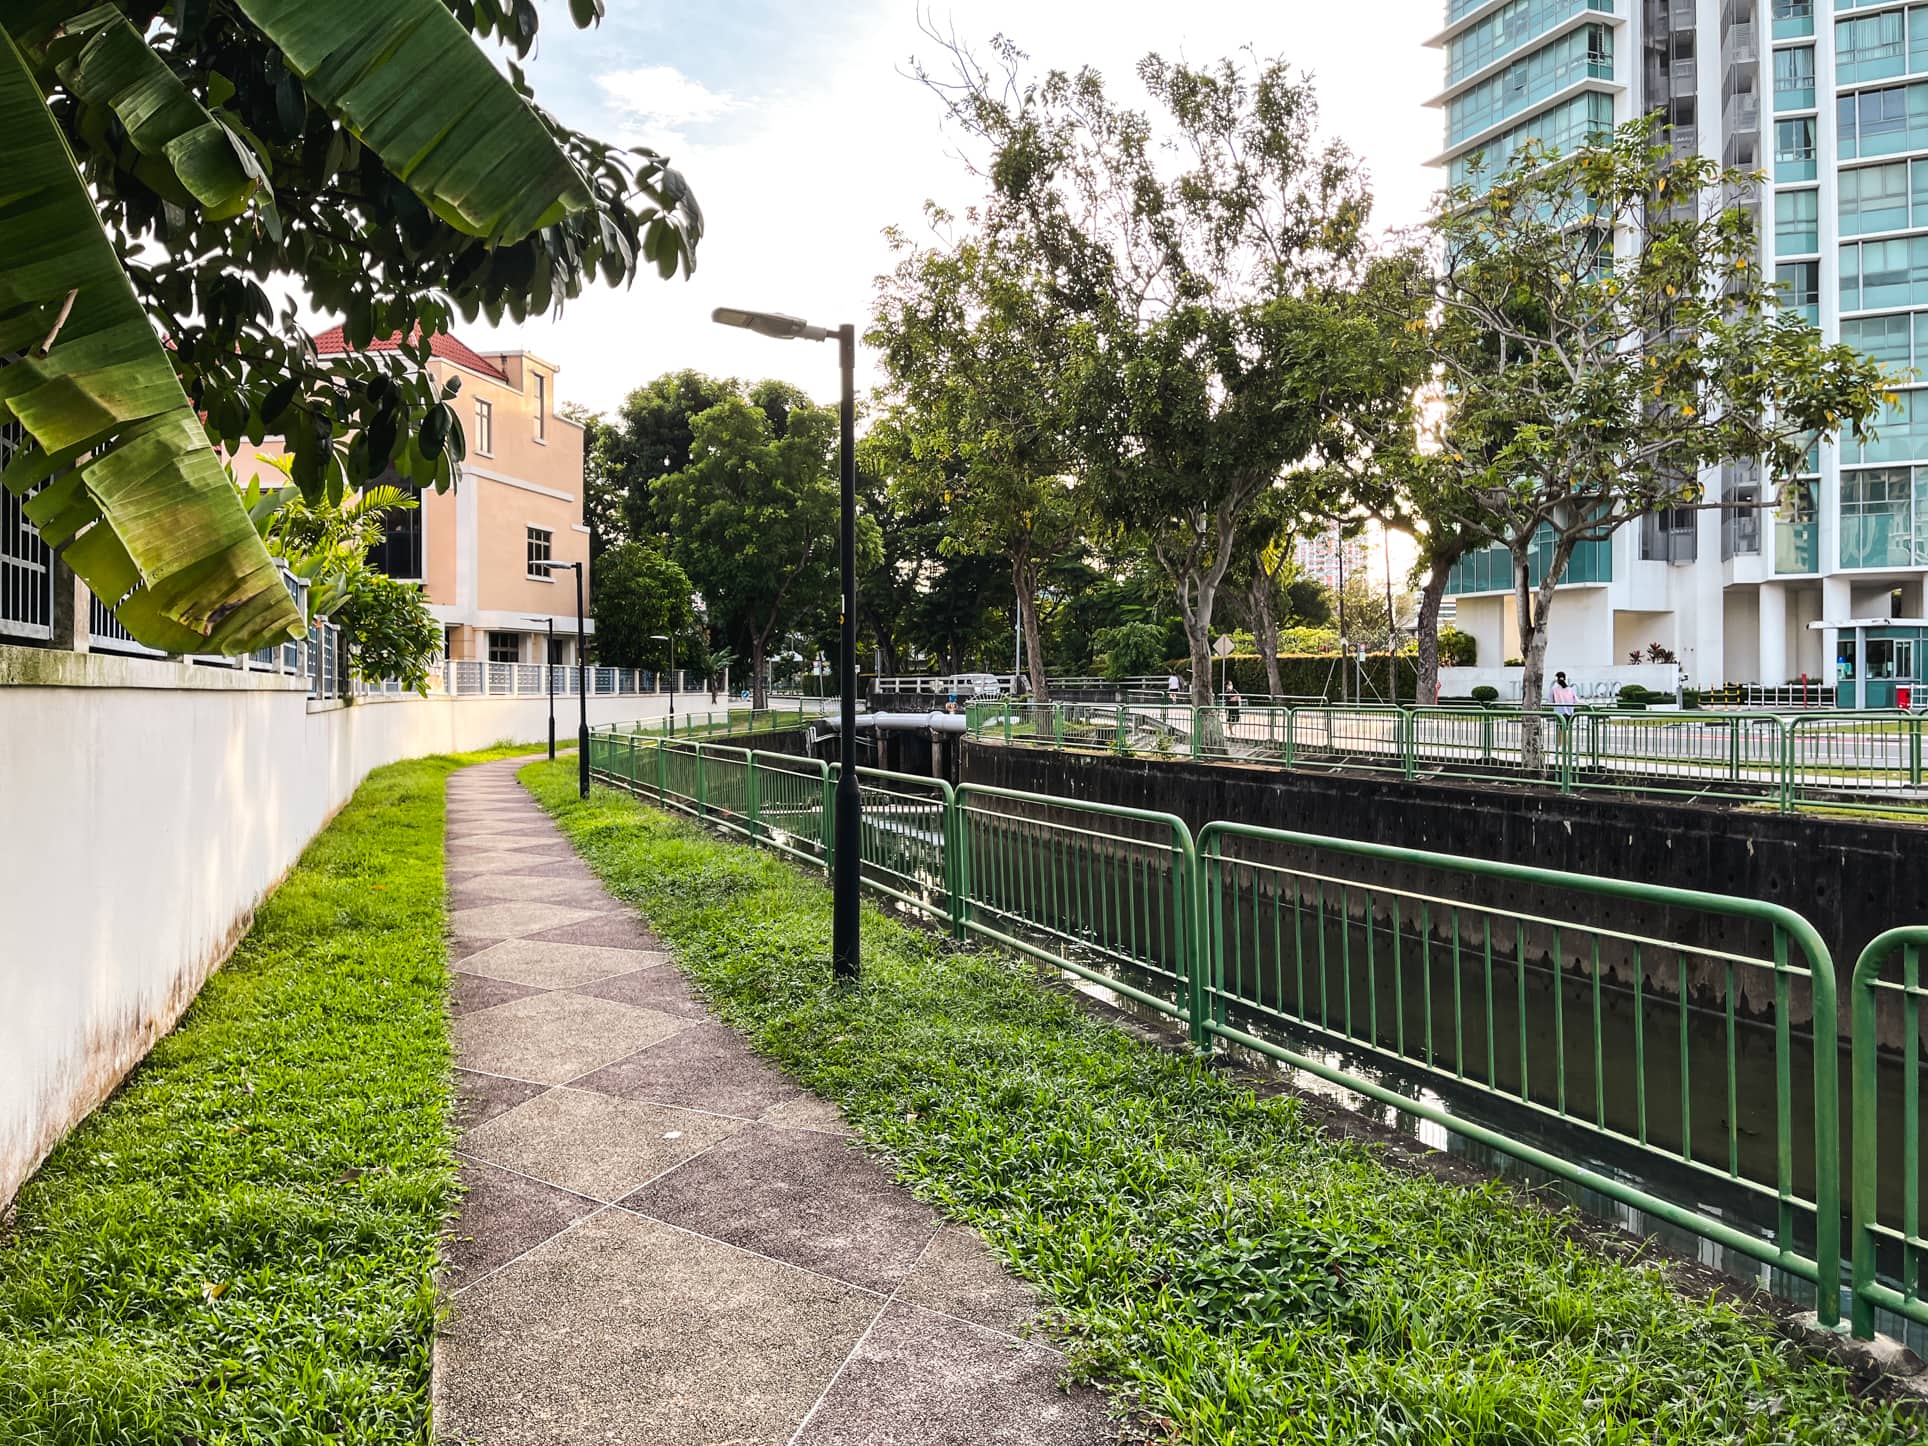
(1866, 987)
(1103, 891)
(1866, 761)
(1234, 957)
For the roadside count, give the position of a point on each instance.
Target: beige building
(478, 548)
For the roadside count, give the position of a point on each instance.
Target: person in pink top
(1565, 698)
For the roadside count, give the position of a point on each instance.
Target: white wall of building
(146, 807)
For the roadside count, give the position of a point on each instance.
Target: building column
(1837, 603)
(1772, 599)
(72, 628)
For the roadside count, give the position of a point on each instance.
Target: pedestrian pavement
(665, 1239)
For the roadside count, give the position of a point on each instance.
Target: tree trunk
(758, 697)
(1024, 580)
(1426, 688)
(1535, 609)
(1268, 630)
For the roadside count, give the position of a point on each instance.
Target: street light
(582, 686)
(666, 638)
(847, 876)
(549, 673)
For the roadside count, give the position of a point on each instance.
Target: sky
(803, 136)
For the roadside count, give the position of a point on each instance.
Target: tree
(641, 593)
(647, 440)
(1603, 333)
(976, 355)
(166, 157)
(389, 630)
(753, 518)
(1205, 274)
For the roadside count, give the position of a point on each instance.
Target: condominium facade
(1330, 558)
(1830, 99)
(481, 550)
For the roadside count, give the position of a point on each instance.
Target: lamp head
(770, 323)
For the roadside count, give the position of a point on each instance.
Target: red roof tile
(333, 342)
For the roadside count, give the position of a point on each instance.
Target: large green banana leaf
(110, 64)
(406, 79)
(143, 510)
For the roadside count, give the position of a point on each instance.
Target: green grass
(240, 1245)
(1232, 1271)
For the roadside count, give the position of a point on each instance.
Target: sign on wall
(1594, 685)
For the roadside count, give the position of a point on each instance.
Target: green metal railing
(1529, 986)
(1887, 990)
(1559, 1008)
(712, 723)
(1856, 762)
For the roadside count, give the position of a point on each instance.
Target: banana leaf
(106, 62)
(407, 80)
(135, 497)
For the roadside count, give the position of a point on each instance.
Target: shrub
(1486, 694)
(1130, 650)
(1457, 649)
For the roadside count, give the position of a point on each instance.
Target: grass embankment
(240, 1245)
(1234, 1272)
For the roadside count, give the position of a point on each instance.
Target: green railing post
(957, 865)
(1406, 730)
(1734, 750)
(1195, 711)
(1008, 707)
(1790, 741)
(1563, 738)
(702, 783)
(1291, 735)
(1057, 725)
(1486, 737)
(755, 802)
(1865, 1101)
(1914, 751)
(662, 775)
(828, 836)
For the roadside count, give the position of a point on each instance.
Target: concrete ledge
(57, 668)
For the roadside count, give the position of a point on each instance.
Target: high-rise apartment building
(1830, 99)
(1327, 557)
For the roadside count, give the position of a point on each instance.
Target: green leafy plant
(1485, 694)
(1130, 650)
(389, 630)
(164, 156)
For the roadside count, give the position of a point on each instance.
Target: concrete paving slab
(594, 1144)
(958, 1275)
(705, 1067)
(504, 1215)
(660, 987)
(524, 841)
(614, 931)
(796, 1195)
(556, 966)
(624, 1330)
(480, 1097)
(563, 868)
(808, 1112)
(555, 1037)
(919, 1379)
(470, 992)
(473, 889)
(495, 861)
(513, 920)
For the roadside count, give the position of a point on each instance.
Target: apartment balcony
(1741, 115)
(1490, 569)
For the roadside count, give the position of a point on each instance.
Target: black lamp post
(549, 676)
(847, 876)
(582, 686)
(666, 638)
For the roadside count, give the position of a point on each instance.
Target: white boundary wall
(146, 807)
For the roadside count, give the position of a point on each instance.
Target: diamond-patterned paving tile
(556, 1036)
(593, 1144)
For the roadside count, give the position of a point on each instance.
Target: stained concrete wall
(1850, 879)
(145, 808)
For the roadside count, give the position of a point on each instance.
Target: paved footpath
(666, 1240)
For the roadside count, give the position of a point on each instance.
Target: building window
(1871, 48)
(540, 539)
(1901, 432)
(1797, 216)
(1894, 340)
(505, 647)
(1879, 509)
(1794, 78)
(1800, 284)
(1793, 18)
(1874, 198)
(485, 428)
(542, 407)
(1794, 149)
(1882, 122)
(399, 553)
(1877, 274)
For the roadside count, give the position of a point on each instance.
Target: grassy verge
(1235, 1273)
(240, 1245)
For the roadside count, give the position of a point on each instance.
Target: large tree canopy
(168, 159)
(752, 520)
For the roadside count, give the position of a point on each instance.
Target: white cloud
(658, 103)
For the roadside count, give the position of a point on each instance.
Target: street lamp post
(582, 686)
(847, 876)
(549, 675)
(666, 638)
